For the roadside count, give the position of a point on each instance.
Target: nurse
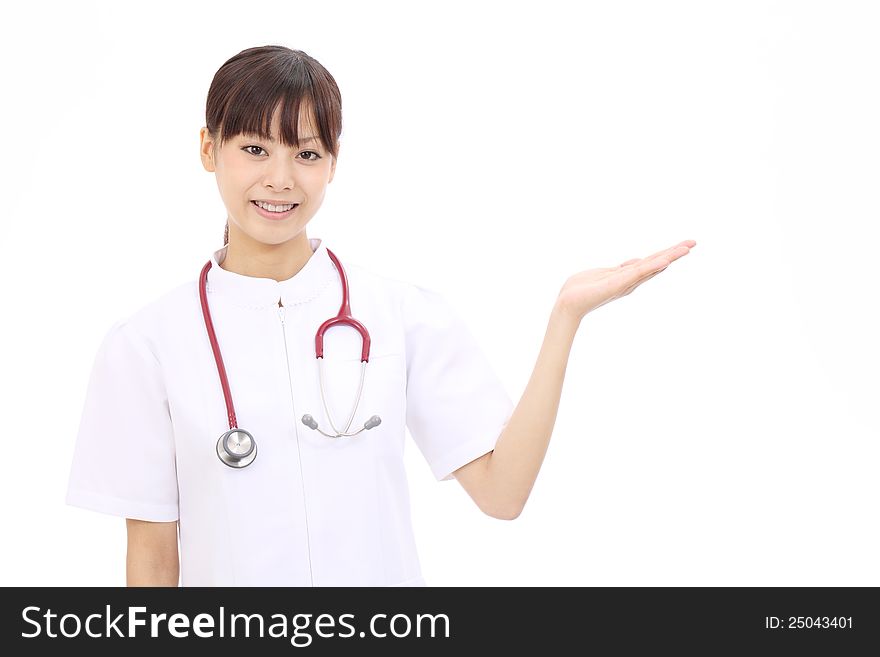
(306, 508)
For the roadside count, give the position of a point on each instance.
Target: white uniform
(310, 510)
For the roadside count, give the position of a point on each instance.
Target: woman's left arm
(501, 481)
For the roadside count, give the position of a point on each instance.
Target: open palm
(590, 289)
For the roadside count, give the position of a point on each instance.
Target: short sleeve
(124, 459)
(456, 406)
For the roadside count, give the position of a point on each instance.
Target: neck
(279, 262)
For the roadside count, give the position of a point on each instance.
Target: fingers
(648, 268)
(673, 249)
(671, 253)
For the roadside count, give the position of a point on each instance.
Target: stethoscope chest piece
(237, 448)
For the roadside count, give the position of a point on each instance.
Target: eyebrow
(302, 141)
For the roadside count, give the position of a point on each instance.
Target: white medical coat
(310, 510)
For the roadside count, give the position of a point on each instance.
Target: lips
(276, 204)
(268, 214)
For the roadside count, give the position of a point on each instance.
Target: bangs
(292, 85)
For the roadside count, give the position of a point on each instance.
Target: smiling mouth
(273, 213)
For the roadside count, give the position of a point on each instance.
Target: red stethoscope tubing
(343, 318)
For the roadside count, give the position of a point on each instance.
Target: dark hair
(249, 87)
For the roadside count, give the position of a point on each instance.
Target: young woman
(257, 414)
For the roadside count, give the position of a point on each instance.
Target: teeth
(275, 208)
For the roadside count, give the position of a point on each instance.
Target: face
(250, 169)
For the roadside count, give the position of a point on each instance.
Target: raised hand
(587, 290)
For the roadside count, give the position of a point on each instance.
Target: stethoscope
(237, 447)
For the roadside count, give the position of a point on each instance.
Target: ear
(206, 149)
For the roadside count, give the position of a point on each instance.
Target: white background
(717, 427)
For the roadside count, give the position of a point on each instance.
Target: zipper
(299, 455)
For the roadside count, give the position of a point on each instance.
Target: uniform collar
(255, 292)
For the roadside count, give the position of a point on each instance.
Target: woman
(205, 415)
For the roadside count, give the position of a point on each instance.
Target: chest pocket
(383, 394)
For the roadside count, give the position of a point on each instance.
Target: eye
(260, 148)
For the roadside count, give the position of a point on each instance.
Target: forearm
(514, 464)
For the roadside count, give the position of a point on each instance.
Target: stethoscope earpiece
(309, 421)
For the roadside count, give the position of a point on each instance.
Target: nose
(280, 174)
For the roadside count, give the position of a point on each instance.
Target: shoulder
(145, 326)
(159, 309)
(404, 290)
(366, 276)
(366, 283)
